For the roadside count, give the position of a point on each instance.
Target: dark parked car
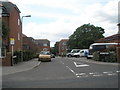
(52, 56)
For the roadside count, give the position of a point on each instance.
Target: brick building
(12, 26)
(112, 39)
(63, 47)
(29, 44)
(44, 44)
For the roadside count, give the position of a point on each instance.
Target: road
(66, 73)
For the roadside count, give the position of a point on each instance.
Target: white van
(73, 51)
(81, 53)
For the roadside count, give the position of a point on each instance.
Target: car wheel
(69, 55)
(38, 59)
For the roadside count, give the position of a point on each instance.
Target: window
(64, 43)
(2, 52)
(45, 49)
(44, 44)
(18, 36)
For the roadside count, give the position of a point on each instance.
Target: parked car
(73, 51)
(44, 56)
(52, 56)
(90, 55)
(81, 53)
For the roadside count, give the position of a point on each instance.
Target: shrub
(18, 57)
(96, 56)
(27, 55)
(109, 57)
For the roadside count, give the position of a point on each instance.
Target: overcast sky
(58, 19)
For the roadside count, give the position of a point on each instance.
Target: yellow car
(44, 56)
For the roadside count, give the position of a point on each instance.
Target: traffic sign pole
(12, 42)
(12, 53)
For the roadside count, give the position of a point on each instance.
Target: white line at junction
(78, 64)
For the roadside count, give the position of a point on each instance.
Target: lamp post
(118, 48)
(22, 37)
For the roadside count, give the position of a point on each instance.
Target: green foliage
(18, 57)
(110, 57)
(84, 36)
(55, 49)
(27, 55)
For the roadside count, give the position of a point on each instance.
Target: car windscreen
(45, 52)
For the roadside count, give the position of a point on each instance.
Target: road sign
(12, 41)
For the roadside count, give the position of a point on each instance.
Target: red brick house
(29, 44)
(63, 47)
(44, 44)
(12, 22)
(112, 39)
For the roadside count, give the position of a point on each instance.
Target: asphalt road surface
(66, 73)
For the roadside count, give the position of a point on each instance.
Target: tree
(54, 50)
(84, 36)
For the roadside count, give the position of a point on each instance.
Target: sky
(58, 19)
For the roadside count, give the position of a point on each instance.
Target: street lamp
(25, 16)
(22, 37)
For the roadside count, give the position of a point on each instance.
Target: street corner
(37, 64)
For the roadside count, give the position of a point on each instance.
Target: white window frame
(45, 44)
(18, 36)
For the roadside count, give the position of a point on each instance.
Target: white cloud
(101, 13)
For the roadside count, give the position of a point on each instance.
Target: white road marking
(110, 73)
(62, 62)
(91, 73)
(81, 74)
(71, 70)
(78, 64)
(117, 71)
(107, 72)
(97, 75)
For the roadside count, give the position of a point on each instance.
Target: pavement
(20, 67)
(28, 65)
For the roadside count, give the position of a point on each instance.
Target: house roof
(110, 38)
(64, 40)
(23, 35)
(8, 6)
(41, 39)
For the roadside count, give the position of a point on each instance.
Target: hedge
(27, 55)
(108, 57)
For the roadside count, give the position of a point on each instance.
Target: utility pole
(22, 37)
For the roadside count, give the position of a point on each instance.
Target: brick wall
(29, 45)
(15, 29)
(13, 22)
(62, 46)
(7, 60)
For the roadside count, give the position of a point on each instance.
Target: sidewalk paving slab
(20, 67)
